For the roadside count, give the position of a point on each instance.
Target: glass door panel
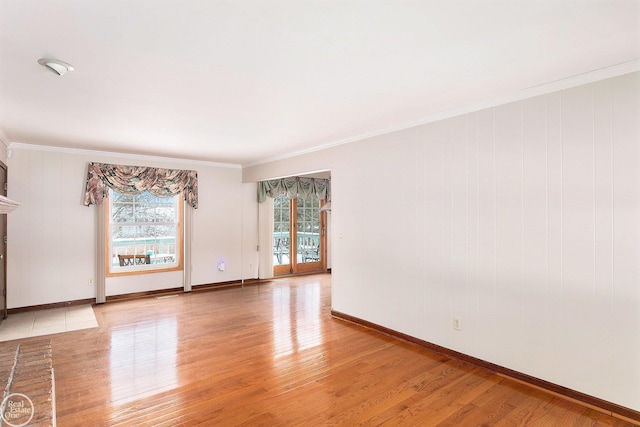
(308, 233)
(281, 235)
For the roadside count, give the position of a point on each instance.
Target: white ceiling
(243, 81)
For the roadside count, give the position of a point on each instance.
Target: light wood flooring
(272, 355)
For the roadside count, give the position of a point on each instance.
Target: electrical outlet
(457, 325)
(90, 281)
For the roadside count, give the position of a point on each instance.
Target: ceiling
(245, 81)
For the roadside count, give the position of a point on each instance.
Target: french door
(299, 236)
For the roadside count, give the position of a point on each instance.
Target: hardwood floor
(272, 355)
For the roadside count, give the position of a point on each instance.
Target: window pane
(123, 232)
(281, 243)
(165, 212)
(308, 244)
(122, 212)
(151, 231)
(159, 241)
(121, 198)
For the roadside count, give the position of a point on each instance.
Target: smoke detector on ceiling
(58, 67)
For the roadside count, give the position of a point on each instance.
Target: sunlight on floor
(296, 319)
(45, 322)
(143, 360)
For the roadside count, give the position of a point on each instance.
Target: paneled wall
(52, 236)
(521, 221)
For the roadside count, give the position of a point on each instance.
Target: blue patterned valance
(294, 187)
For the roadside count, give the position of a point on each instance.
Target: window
(144, 233)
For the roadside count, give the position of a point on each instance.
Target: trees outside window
(144, 233)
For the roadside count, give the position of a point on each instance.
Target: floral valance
(294, 187)
(138, 179)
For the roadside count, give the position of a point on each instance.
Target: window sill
(138, 270)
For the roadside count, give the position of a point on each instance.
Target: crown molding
(549, 87)
(543, 89)
(144, 157)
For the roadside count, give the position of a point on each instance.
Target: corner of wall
(4, 144)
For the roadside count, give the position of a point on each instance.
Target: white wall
(520, 220)
(51, 251)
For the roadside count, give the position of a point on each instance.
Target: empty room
(320, 212)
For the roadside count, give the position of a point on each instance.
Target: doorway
(3, 245)
(299, 236)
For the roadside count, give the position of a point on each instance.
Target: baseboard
(306, 273)
(194, 288)
(136, 295)
(145, 294)
(51, 305)
(227, 285)
(589, 401)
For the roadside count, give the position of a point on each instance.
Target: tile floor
(45, 322)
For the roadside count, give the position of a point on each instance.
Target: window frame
(144, 269)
